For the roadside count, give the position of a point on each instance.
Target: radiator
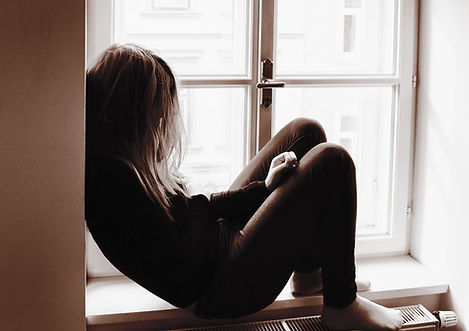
(416, 317)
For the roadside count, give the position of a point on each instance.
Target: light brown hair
(133, 114)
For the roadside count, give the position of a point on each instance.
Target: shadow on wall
(440, 227)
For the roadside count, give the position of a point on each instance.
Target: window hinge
(414, 80)
(409, 212)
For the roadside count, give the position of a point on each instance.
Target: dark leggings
(307, 222)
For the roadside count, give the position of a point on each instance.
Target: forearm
(239, 203)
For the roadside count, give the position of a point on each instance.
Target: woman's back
(171, 258)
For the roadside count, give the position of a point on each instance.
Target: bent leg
(313, 210)
(299, 136)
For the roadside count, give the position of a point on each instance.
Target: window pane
(335, 37)
(349, 33)
(195, 36)
(352, 3)
(215, 121)
(360, 120)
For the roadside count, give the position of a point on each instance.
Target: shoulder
(109, 171)
(110, 181)
(106, 166)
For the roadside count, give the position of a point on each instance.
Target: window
(347, 63)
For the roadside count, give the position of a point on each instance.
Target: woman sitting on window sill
(292, 209)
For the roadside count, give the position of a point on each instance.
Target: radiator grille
(306, 323)
(413, 316)
(254, 326)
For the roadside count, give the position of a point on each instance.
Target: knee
(336, 157)
(303, 126)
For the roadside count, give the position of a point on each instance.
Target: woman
(291, 209)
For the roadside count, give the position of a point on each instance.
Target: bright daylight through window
(346, 63)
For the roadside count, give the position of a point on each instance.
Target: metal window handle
(270, 84)
(267, 84)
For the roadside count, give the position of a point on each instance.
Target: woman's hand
(279, 165)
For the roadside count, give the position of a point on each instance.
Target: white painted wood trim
(118, 299)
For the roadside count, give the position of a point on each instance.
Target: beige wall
(42, 165)
(440, 233)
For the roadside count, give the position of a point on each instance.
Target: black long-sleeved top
(175, 260)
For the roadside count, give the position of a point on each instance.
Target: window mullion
(253, 92)
(267, 47)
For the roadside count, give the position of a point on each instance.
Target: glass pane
(352, 3)
(335, 37)
(359, 119)
(199, 37)
(215, 132)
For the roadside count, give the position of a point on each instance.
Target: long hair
(132, 113)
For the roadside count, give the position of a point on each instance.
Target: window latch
(267, 84)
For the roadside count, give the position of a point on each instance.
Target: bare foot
(362, 314)
(307, 283)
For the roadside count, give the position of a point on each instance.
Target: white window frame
(261, 40)
(395, 240)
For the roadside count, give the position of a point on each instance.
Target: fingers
(287, 158)
(290, 159)
(278, 159)
(279, 165)
(280, 168)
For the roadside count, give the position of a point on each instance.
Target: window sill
(118, 303)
